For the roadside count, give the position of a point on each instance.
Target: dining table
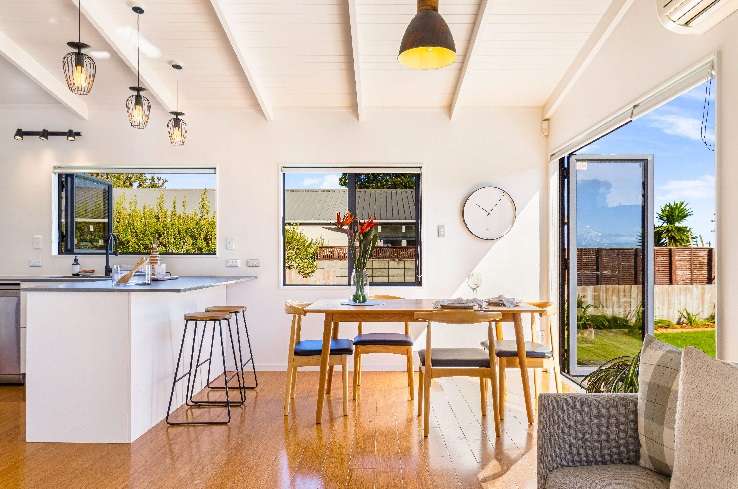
(337, 311)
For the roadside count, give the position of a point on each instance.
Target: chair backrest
(458, 317)
(295, 308)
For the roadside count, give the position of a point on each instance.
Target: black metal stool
(206, 318)
(234, 311)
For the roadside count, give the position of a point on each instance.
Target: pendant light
(427, 43)
(177, 127)
(79, 68)
(138, 106)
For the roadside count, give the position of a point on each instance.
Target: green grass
(611, 343)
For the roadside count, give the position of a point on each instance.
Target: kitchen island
(100, 358)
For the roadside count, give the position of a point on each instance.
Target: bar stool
(234, 312)
(306, 353)
(212, 319)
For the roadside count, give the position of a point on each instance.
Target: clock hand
(485, 210)
(496, 204)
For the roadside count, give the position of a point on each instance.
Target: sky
(609, 196)
(188, 180)
(311, 180)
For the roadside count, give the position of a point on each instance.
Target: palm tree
(671, 230)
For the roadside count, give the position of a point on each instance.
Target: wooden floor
(379, 444)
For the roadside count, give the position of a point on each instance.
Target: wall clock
(489, 213)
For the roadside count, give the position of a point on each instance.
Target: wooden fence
(623, 266)
(379, 253)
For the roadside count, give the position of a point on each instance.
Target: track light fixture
(44, 134)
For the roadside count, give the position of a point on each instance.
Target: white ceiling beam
(605, 27)
(256, 88)
(468, 58)
(354, 25)
(26, 63)
(98, 14)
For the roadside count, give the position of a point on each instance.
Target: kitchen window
(174, 208)
(314, 252)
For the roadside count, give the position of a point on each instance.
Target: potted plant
(362, 238)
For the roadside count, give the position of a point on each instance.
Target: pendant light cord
(79, 21)
(138, 50)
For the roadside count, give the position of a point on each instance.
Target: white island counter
(100, 359)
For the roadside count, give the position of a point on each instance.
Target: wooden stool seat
(228, 309)
(207, 316)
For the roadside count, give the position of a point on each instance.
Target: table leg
(324, 356)
(523, 362)
(328, 389)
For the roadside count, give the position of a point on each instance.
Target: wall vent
(694, 16)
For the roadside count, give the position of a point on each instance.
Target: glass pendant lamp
(177, 127)
(79, 68)
(138, 106)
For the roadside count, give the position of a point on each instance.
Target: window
(316, 253)
(174, 208)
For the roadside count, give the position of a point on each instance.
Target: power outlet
(35, 263)
(253, 263)
(233, 263)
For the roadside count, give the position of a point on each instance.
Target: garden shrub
(300, 252)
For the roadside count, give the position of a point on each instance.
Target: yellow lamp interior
(427, 57)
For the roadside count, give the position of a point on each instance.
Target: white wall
(639, 56)
(496, 146)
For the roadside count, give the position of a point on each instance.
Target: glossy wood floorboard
(379, 445)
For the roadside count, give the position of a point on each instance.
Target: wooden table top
(328, 306)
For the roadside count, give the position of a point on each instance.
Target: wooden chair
(540, 352)
(392, 343)
(306, 353)
(455, 362)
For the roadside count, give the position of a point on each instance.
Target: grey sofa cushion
(658, 384)
(707, 424)
(606, 477)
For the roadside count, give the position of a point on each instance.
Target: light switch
(230, 244)
(441, 230)
(36, 241)
(233, 263)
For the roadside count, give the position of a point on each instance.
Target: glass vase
(360, 281)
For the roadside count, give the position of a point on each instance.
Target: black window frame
(351, 187)
(65, 240)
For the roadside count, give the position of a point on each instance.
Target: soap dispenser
(75, 266)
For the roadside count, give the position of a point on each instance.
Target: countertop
(50, 278)
(182, 284)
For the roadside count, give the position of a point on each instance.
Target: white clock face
(489, 213)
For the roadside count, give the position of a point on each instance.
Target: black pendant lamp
(138, 107)
(79, 68)
(177, 127)
(427, 43)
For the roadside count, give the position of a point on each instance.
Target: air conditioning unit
(694, 16)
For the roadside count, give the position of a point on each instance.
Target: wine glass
(474, 281)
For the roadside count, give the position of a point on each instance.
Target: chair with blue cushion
(392, 343)
(306, 353)
(539, 352)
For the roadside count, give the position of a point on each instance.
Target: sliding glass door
(607, 257)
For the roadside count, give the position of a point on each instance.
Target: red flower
(366, 226)
(344, 221)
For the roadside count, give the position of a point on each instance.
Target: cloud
(699, 188)
(324, 182)
(680, 126)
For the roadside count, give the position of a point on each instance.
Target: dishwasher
(10, 335)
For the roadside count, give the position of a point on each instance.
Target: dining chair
(540, 352)
(457, 362)
(306, 353)
(392, 343)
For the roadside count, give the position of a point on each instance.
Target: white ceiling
(298, 53)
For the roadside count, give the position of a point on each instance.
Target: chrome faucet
(111, 242)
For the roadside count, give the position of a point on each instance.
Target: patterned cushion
(658, 385)
(606, 477)
(308, 348)
(457, 357)
(509, 349)
(707, 424)
(383, 339)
